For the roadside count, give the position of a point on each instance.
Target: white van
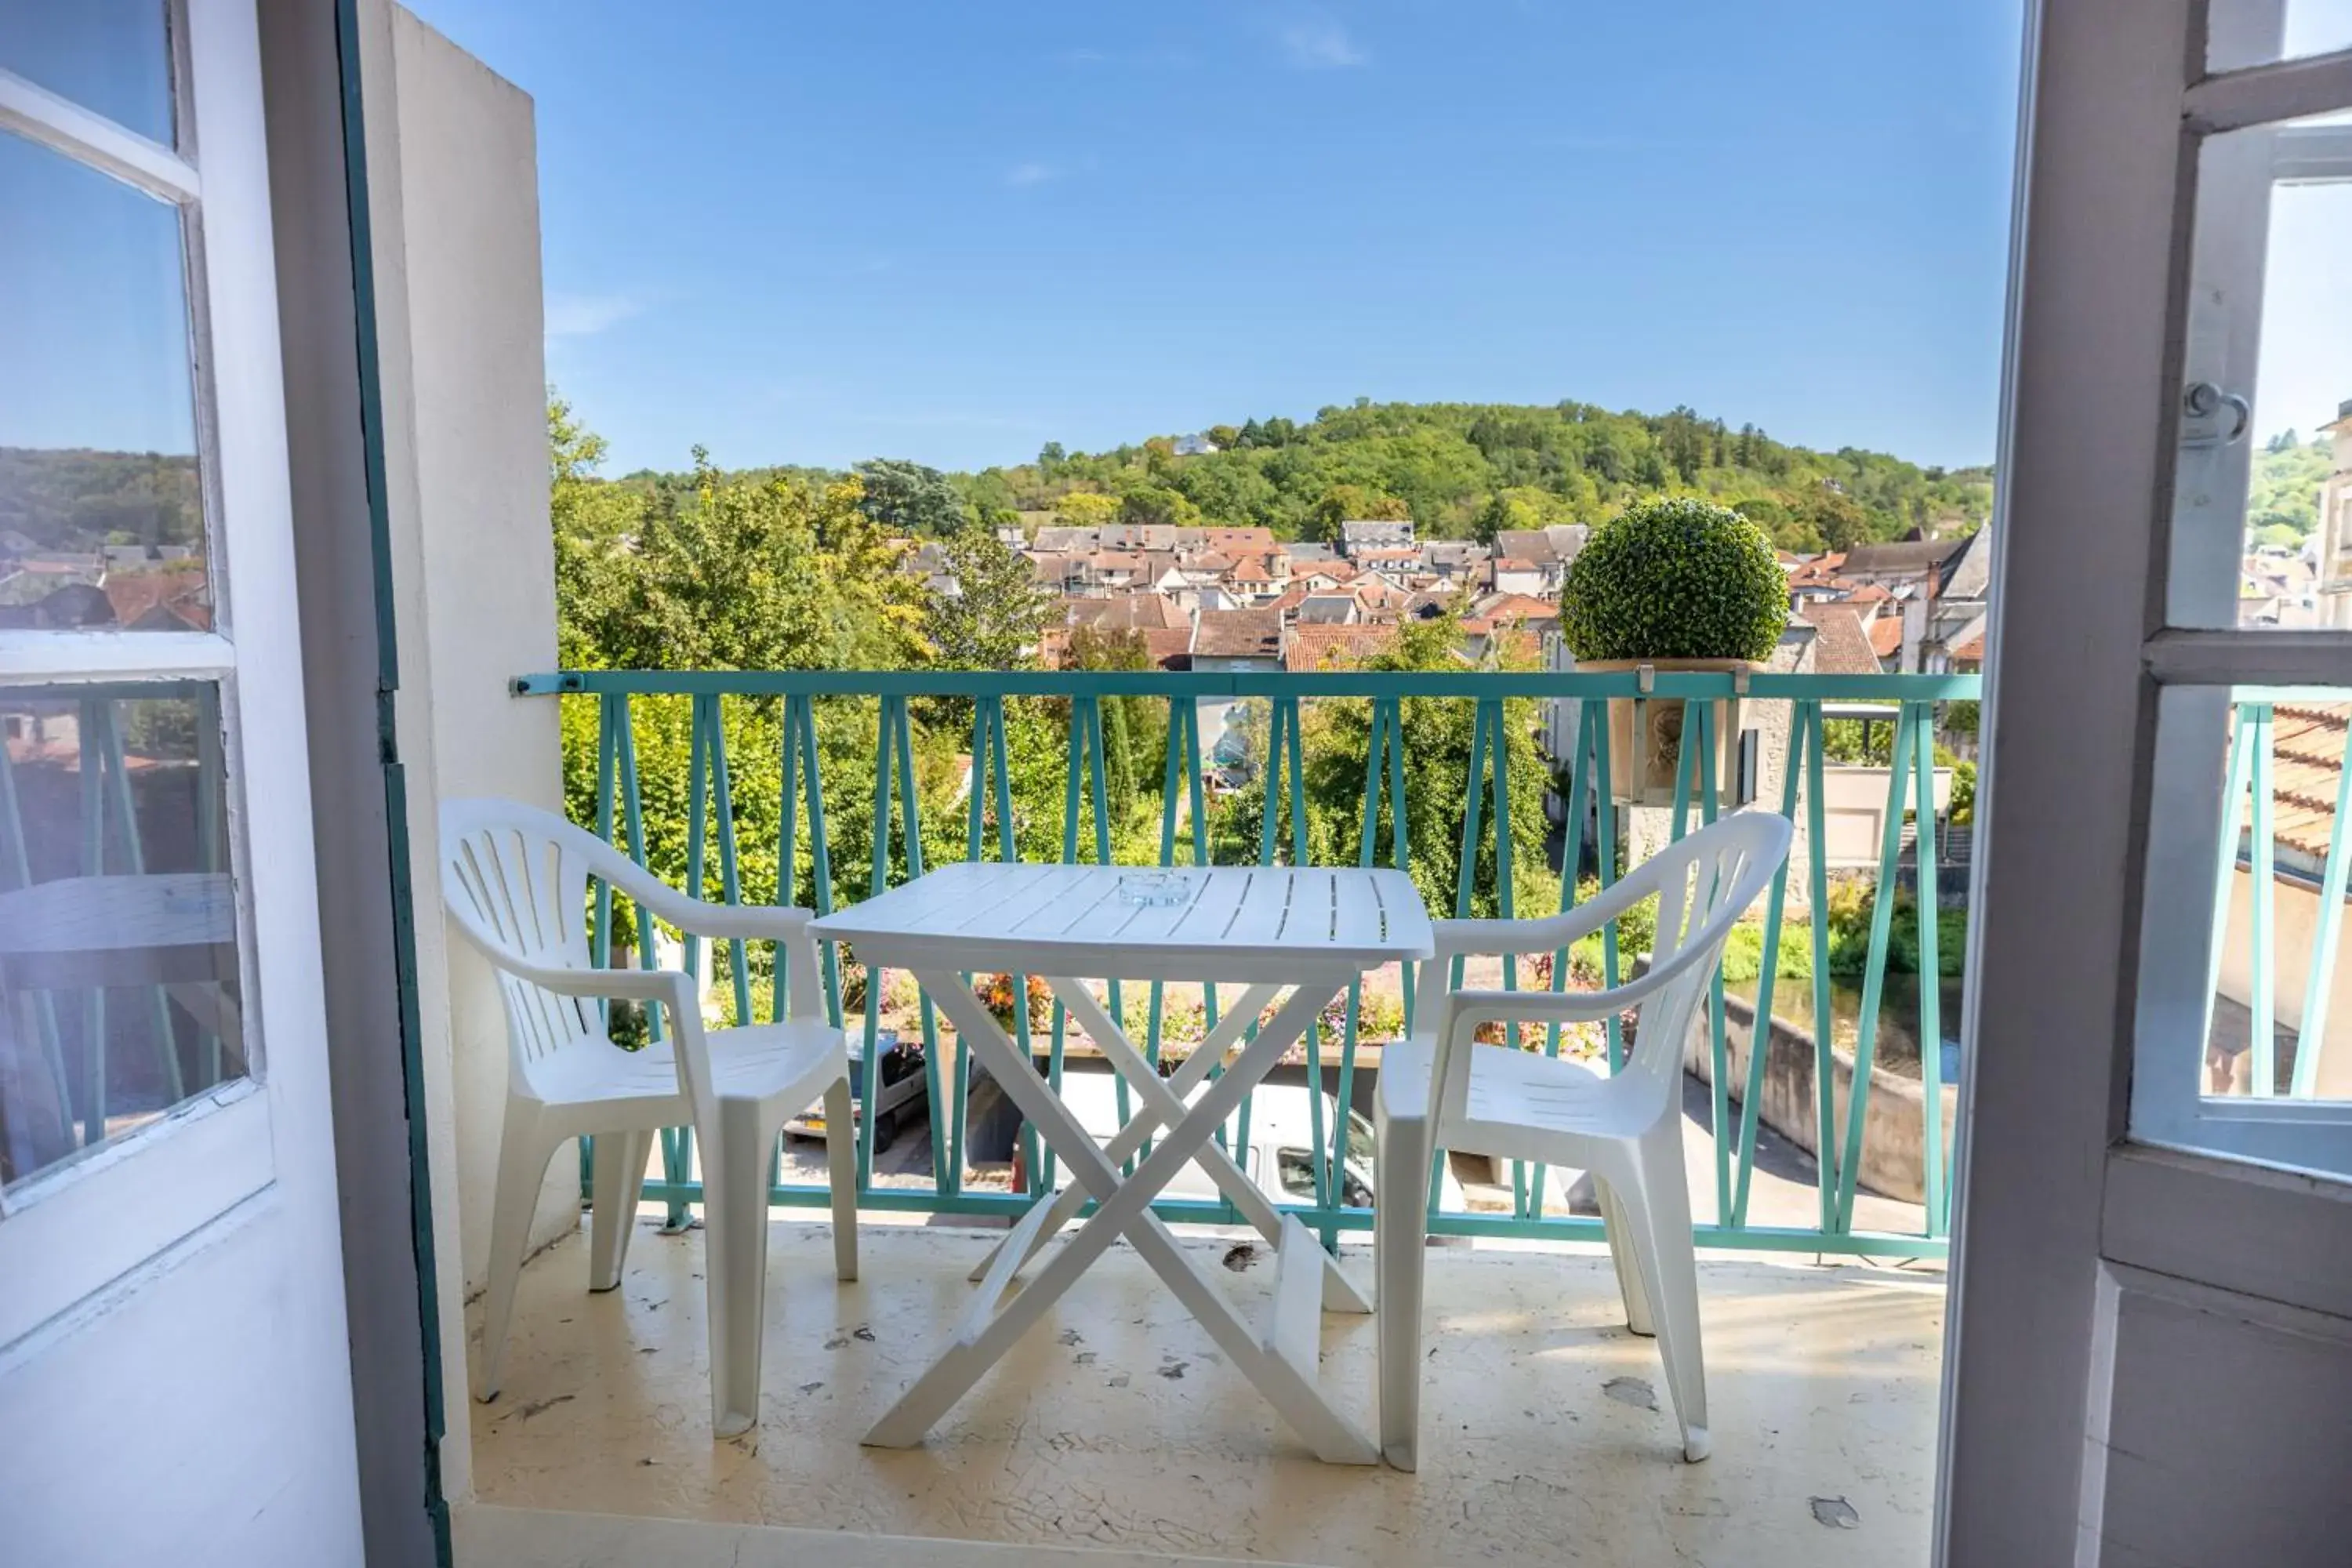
(1281, 1155)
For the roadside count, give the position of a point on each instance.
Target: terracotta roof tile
(1841, 648)
(1238, 634)
(1326, 647)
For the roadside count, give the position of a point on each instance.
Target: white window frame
(2198, 657)
(67, 1233)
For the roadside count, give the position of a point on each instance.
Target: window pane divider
(2180, 656)
(67, 127)
(2260, 95)
(45, 657)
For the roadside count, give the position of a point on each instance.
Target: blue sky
(817, 233)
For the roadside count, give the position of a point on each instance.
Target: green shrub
(1743, 953)
(1678, 578)
(1964, 794)
(1637, 932)
(1850, 913)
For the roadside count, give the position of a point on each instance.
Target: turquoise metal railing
(112, 842)
(712, 822)
(2249, 840)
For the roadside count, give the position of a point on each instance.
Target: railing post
(1582, 778)
(93, 864)
(109, 738)
(18, 864)
(1815, 742)
(1718, 1048)
(1931, 1000)
(710, 789)
(599, 910)
(1181, 783)
(991, 780)
(1604, 848)
(1759, 1023)
(211, 847)
(801, 770)
(2320, 979)
(1384, 736)
(1874, 983)
(895, 755)
(2262, 897)
(1490, 773)
(2234, 796)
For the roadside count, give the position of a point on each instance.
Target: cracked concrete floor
(1116, 1424)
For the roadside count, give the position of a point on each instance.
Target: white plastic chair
(515, 880)
(1626, 1129)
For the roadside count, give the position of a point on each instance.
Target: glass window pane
(101, 514)
(2263, 486)
(119, 975)
(2280, 971)
(2241, 32)
(113, 56)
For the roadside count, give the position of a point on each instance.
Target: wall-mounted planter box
(1645, 734)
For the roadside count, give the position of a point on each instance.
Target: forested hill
(1457, 470)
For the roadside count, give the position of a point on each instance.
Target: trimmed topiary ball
(1677, 578)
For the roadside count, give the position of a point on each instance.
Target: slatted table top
(1277, 924)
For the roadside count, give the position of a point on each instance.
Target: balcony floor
(1116, 1424)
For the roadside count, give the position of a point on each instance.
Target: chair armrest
(1457, 939)
(1462, 939)
(1471, 1008)
(698, 917)
(673, 989)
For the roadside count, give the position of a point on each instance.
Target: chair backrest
(515, 880)
(1704, 884)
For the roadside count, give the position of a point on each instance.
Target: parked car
(1280, 1158)
(904, 1095)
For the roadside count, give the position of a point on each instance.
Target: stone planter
(1646, 735)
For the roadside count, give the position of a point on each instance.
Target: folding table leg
(1340, 1294)
(1124, 1209)
(1146, 1120)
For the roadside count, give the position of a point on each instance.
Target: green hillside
(76, 500)
(2283, 495)
(1458, 470)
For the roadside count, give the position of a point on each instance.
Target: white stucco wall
(452, 169)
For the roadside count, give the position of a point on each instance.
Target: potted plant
(1674, 584)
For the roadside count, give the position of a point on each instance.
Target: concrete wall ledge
(1894, 1160)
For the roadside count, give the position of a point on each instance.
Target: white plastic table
(1312, 930)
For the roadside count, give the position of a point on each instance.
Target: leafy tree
(1225, 436)
(726, 573)
(1686, 446)
(1355, 504)
(1085, 509)
(996, 612)
(1438, 734)
(1832, 516)
(714, 570)
(2283, 492)
(1051, 456)
(1155, 503)
(908, 497)
(1135, 728)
